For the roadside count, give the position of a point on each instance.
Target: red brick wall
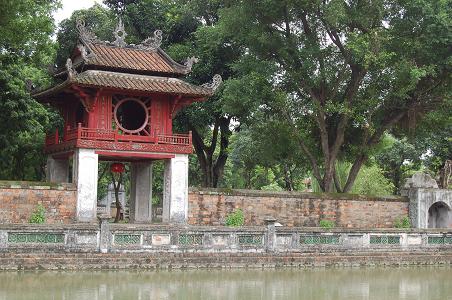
(18, 200)
(210, 207)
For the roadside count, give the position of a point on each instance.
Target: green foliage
(371, 181)
(158, 169)
(25, 51)
(327, 224)
(38, 216)
(98, 19)
(272, 187)
(402, 222)
(398, 159)
(347, 78)
(235, 219)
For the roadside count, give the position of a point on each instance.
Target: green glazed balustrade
(39, 237)
(190, 239)
(127, 239)
(319, 239)
(440, 240)
(384, 240)
(250, 239)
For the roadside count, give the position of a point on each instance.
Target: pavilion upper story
(119, 97)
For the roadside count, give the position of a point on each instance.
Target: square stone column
(141, 192)
(57, 170)
(175, 190)
(85, 177)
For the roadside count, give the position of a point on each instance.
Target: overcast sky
(70, 5)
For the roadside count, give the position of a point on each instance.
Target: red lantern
(117, 168)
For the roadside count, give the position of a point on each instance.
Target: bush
(402, 222)
(369, 181)
(235, 218)
(326, 224)
(38, 216)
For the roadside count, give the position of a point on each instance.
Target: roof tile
(134, 60)
(140, 83)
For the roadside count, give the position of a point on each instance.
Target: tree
(24, 56)
(399, 159)
(98, 20)
(352, 71)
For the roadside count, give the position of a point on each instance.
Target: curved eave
(128, 82)
(44, 94)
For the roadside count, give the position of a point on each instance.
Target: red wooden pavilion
(118, 102)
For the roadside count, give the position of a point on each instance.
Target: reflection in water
(325, 284)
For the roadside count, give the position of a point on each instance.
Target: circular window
(131, 115)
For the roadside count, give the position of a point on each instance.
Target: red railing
(175, 139)
(82, 133)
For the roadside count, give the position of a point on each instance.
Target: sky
(70, 5)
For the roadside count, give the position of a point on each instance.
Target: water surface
(326, 284)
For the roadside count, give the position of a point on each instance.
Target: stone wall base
(96, 261)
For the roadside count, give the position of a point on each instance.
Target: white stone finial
(216, 82)
(84, 34)
(120, 35)
(152, 42)
(189, 62)
(70, 69)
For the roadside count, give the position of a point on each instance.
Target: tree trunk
(212, 167)
(117, 186)
(289, 185)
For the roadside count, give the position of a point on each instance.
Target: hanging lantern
(117, 167)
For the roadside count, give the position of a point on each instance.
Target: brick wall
(210, 207)
(19, 199)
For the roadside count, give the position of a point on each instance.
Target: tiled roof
(140, 83)
(131, 82)
(133, 59)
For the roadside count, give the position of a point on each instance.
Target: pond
(371, 283)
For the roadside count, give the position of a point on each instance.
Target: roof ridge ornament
(189, 62)
(216, 82)
(152, 42)
(84, 33)
(70, 69)
(120, 35)
(84, 52)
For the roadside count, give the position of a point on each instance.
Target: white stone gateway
(430, 207)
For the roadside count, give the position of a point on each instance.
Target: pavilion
(118, 102)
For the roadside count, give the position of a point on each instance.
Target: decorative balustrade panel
(127, 239)
(250, 240)
(36, 237)
(319, 239)
(384, 240)
(439, 240)
(190, 239)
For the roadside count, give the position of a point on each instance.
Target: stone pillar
(175, 190)
(141, 192)
(57, 170)
(104, 241)
(270, 241)
(85, 177)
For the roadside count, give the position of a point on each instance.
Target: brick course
(18, 200)
(211, 206)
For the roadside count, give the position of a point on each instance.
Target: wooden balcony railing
(82, 133)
